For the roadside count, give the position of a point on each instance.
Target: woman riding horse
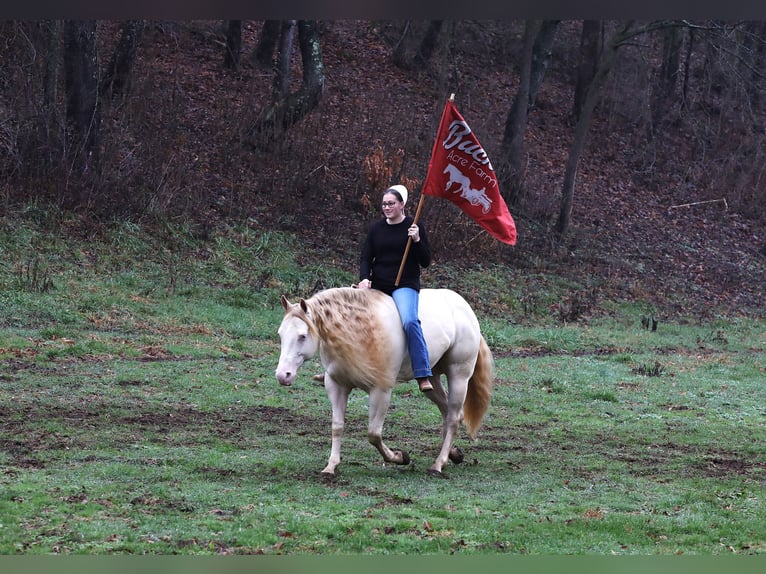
(382, 253)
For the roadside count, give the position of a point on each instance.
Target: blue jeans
(406, 300)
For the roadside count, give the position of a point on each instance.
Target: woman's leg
(407, 300)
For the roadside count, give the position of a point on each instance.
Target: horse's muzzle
(285, 378)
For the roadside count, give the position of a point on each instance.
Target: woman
(379, 263)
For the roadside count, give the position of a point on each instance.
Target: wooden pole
(409, 241)
(414, 221)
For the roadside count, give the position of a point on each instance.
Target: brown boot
(425, 385)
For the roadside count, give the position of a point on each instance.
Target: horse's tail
(479, 390)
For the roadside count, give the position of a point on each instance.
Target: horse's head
(298, 338)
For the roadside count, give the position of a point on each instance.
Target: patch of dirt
(727, 465)
(28, 447)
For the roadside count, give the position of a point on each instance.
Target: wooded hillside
(150, 121)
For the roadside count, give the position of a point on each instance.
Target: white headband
(401, 190)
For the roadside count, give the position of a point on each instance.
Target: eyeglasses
(389, 203)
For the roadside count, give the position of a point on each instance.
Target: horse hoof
(328, 477)
(405, 457)
(436, 473)
(456, 455)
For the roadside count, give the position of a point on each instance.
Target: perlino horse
(362, 345)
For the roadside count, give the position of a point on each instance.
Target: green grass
(139, 415)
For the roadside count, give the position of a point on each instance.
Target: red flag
(460, 171)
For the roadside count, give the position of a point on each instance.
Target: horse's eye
(301, 338)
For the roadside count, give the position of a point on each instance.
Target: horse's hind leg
(438, 396)
(379, 401)
(458, 386)
(338, 396)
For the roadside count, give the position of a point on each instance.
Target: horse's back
(436, 303)
(449, 324)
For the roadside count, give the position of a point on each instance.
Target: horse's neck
(356, 344)
(319, 317)
(333, 318)
(341, 316)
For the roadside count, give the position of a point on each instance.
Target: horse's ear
(285, 303)
(304, 306)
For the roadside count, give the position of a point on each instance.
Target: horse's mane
(344, 301)
(333, 312)
(344, 312)
(350, 329)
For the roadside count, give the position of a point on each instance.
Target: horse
(362, 345)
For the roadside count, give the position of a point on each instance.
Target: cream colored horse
(361, 344)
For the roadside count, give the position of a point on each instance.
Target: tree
(590, 48)
(117, 76)
(410, 57)
(287, 110)
(281, 85)
(672, 43)
(535, 59)
(512, 146)
(687, 69)
(624, 33)
(81, 85)
(267, 43)
(541, 57)
(52, 122)
(752, 49)
(233, 45)
(591, 97)
(428, 44)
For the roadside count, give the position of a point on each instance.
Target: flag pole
(414, 222)
(409, 241)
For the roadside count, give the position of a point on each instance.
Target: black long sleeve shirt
(382, 254)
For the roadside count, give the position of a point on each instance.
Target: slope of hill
(633, 235)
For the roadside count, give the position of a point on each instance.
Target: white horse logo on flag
(473, 196)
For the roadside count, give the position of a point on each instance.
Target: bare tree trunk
(687, 68)
(53, 121)
(672, 42)
(671, 56)
(281, 85)
(428, 44)
(751, 57)
(267, 43)
(592, 96)
(409, 57)
(311, 54)
(590, 47)
(233, 45)
(541, 57)
(512, 146)
(117, 76)
(759, 70)
(82, 111)
(286, 112)
(399, 55)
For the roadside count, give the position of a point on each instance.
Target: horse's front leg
(338, 395)
(379, 401)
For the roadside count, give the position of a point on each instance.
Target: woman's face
(392, 207)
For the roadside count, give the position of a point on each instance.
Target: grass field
(139, 414)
